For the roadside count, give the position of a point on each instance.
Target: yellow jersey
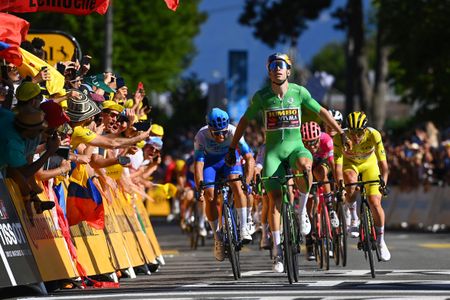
(371, 144)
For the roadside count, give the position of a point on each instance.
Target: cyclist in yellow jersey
(367, 156)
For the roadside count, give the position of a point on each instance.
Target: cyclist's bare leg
(350, 176)
(377, 210)
(291, 190)
(211, 210)
(303, 164)
(274, 220)
(320, 172)
(240, 202)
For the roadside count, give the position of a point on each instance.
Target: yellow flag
(32, 65)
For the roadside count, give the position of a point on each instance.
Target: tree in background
(189, 104)
(418, 33)
(151, 43)
(331, 59)
(280, 21)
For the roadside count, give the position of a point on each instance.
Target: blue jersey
(206, 148)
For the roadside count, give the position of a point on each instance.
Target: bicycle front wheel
(231, 244)
(366, 237)
(341, 236)
(287, 243)
(317, 239)
(326, 238)
(296, 240)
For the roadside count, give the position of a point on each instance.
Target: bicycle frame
(367, 233)
(291, 238)
(321, 217)
(230, 232)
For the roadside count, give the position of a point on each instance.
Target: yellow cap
(109, 104)
(179, 165)
(157, 130)
(27, 91)
(140, 144)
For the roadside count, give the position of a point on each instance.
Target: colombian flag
(84, 201)
(32, 65)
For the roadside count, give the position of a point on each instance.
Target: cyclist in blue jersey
(211, 145)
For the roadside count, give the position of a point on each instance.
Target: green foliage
(280, 21)
(418, 34)
(189, 106)
(152, 44)
(331, 59)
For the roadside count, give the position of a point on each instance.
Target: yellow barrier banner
(143, 242)
(115, 239)
(148, 226)
(46, 241)
(131, 244)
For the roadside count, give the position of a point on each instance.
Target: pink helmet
(310, 131)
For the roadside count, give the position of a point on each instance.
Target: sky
(222, 32)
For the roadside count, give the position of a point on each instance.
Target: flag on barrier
(84, 201)
(59, 192)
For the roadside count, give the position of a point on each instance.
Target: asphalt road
(420, 268)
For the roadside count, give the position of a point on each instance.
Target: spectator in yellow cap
(157, 130)
(29, 94)
(110, 115)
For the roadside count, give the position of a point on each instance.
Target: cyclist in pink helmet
(320, 144)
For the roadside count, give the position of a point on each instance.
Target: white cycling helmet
(337, 116)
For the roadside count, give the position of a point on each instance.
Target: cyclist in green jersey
(281, 104)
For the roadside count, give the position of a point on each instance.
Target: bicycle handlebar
(362, 183)
(222, 183)
(320, 183)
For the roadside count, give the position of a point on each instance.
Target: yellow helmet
(356, 120)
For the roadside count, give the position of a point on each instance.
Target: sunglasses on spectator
(311, 143)
(220, 132)
(75, 80)
(277, 64)
(11, 68)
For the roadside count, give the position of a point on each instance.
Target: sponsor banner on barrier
(148, 226)
(46, 240)
(131, 216)
(116, 243)
(419, 207)
(17, 264)
(131, 243)
(92, 249)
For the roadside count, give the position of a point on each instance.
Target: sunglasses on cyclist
(357, 132)
(277, 64)
(311, 143)
(220, 132)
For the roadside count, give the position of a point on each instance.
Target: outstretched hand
(346, 142)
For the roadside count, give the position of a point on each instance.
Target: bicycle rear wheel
(231, 238)
(287, 243)
(366, 237)
(326, 238)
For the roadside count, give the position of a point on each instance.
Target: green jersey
(282, 117)
(282, 121)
